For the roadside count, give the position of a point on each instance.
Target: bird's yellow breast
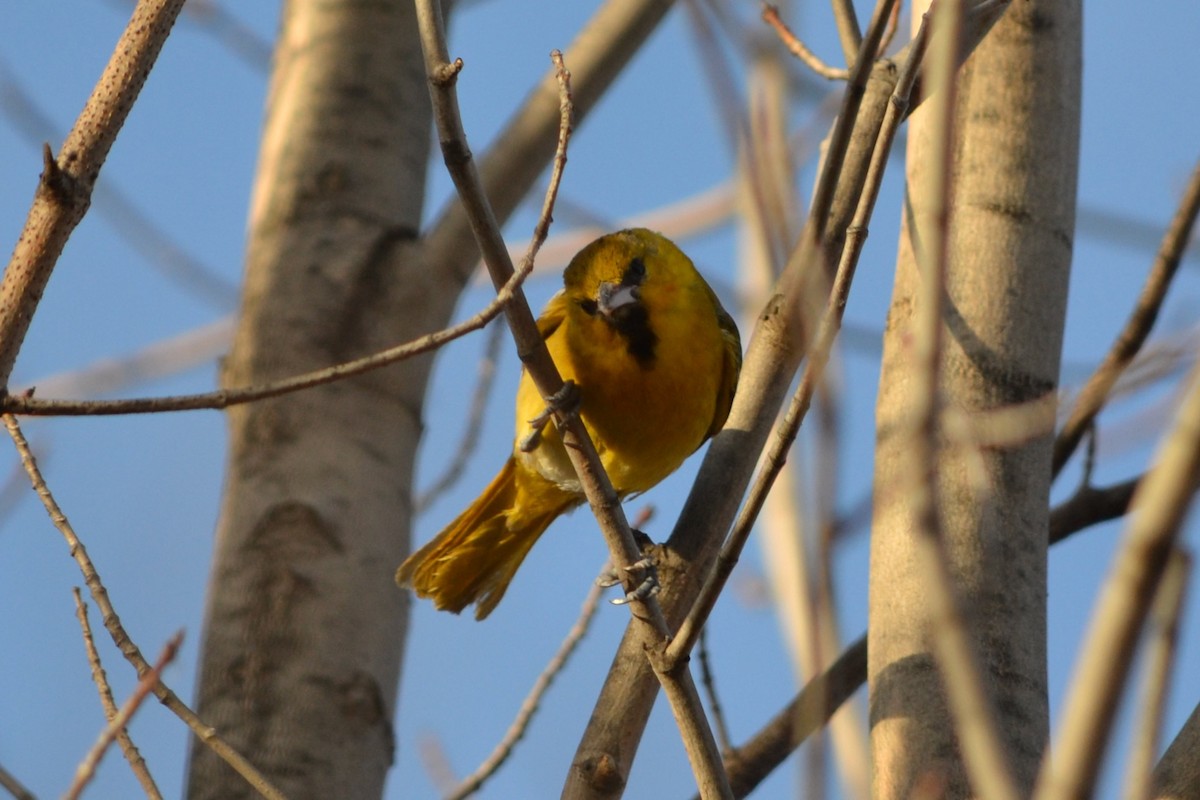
(645, 415)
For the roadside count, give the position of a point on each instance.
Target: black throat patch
(633, 323)
(630, 320)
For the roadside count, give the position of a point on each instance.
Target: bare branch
(893, 27)
(708, 680)
(14, 787)
(532, 350)
(1178, 771)
(146, 684)
(64, 191)
(128, 748)
(533, 700)
(1161, 501)
(1090, 506)
(1131, 338)
(1160, 661)
(117, 631)
(847, 25)
(770, 15)
(224, 398)
(827, 332)
(754, 760)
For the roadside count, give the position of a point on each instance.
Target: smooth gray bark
(1012, 206)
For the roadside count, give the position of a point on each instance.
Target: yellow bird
(655, 358)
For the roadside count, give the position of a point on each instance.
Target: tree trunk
(305, 627)
(1010, 237)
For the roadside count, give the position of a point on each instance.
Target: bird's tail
(475, 557)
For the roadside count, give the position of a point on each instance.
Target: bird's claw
(565, 399)
(647, 588)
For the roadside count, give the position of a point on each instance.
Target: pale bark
(609, 744)
(1010, 236)
(305, 626)
(1177, 776)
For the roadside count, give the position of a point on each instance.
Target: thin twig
(827, 332)
(757, 757)
(128, 748)
(599, 52)
(533, 700)
(64, 190)
(1160, 504)
(435, 760)
(775, 351)
(1137, 328)
(1160, 660)
(1090, 506)
(224, 398)
(708, 680)
(770, 15)
(10, 784)
(120, 637)
(718, 72)
(846, 19)
(87, 768)
(531, 348)
(484, 382)
(893, 26)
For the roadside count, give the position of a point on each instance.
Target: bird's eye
(635, 273)
(589, 306)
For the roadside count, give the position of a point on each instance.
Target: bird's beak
(614, 296)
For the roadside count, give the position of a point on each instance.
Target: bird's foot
(644, 569)
(565, 400)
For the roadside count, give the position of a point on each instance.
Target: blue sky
(142, 492)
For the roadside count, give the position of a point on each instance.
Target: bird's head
(619, 279)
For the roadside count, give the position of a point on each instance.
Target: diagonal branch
(65, 189)
(1131, 338)
(1161, 658)
(610, 743)
(1159, 506)
(472, 783)
(770, 15)
(520, 152)
(117, 631)
(812, 708)
(224, 398)
(118, 724)
(531, 348)
(827, 331)
(132, 754)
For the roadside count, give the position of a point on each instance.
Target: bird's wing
(553, 314)
(731, 366)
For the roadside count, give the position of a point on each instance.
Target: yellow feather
(656, 374)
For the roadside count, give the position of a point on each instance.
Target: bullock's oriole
(655, 358)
